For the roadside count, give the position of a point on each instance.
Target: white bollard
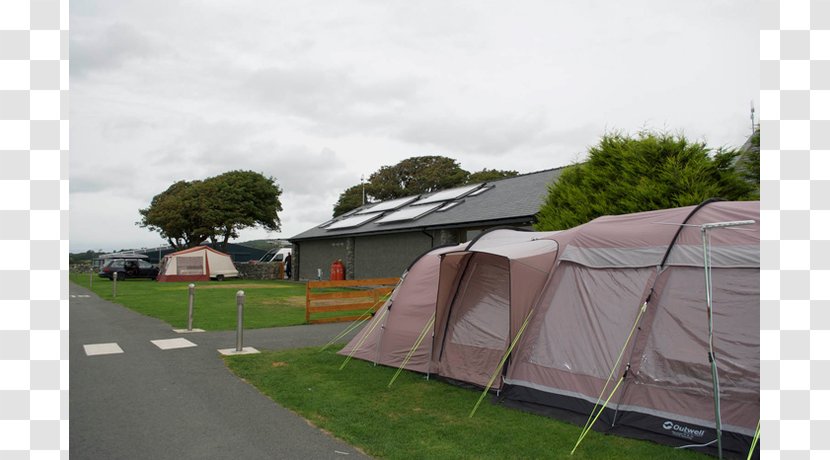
(114, 283)
(240, 305)
(191, 291)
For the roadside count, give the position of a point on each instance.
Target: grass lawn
(416, 418)
(268, 303)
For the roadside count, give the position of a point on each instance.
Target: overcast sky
(317, 93)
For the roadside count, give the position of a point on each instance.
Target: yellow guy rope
(501, 364)
(360, 319)
(590, 423)
(754, 441)
(363, 339)
(588, 427)
(421, 337)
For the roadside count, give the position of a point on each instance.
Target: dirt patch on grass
(278, 364)
(291, 301)
(224, 285)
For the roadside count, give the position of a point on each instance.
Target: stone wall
(81, 268)
(262, 271)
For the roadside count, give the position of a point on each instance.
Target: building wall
(316, 254)
(382, 256)
(375, 256)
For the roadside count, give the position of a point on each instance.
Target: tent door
(477, 332)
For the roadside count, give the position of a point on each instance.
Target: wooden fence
(350, 298)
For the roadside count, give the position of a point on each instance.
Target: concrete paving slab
(233, 352)
(185, 331)
(172, 344)
(94, 349)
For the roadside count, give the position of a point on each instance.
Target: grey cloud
(125, 128)
(482, 136)
(208, 148)
(109, 178)
(333, 97)
(98, 50)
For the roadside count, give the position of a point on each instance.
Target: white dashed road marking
(94, 349)
(170, 344)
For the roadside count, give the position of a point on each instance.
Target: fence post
(307, 300)
(114, 284)
(191, 292)
(240, 305)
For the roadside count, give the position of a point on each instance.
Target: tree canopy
(215, 209)
(412, 176)
(749, 163)
(351, 198)
(416, 175)
(486, 175)
(625, 174)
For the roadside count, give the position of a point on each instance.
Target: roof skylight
(354, 221)
(387, 205)
(481, 190)
(409, 213)
(450, 205)
(446, 195)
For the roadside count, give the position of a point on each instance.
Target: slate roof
(515, 199)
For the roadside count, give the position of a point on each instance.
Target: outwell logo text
(682, 431)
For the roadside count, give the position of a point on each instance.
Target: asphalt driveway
(179, 403)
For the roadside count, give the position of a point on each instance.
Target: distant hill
(263, 244)
(83, 257)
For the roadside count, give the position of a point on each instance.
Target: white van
(275, 255)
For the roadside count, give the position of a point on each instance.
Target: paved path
(178, 403)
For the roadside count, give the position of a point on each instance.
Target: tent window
(190, 265)
(483, 307)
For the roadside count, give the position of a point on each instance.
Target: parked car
(128, 268)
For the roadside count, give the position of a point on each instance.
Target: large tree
(215, 209)
(625, 174)
(351, 198)
(749, 162)
(179, 214)
(413, 176)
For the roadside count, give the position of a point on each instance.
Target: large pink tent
(617, 303)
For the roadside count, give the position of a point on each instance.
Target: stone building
(382, 239)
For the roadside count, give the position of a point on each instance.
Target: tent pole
(380, 339)
(417, 344)
(383, 326)
(707, 274)
(370, 328)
